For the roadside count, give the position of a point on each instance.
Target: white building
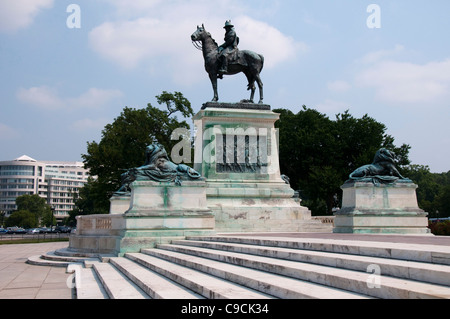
(54, 181)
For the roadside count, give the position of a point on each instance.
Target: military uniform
(229, 48)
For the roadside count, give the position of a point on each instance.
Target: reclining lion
(382, 169)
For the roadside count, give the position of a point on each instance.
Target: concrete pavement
(19, 280)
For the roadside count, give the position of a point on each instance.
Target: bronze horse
(248, 62)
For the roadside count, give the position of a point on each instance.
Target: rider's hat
(228, 24)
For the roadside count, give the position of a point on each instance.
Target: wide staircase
(248, 267)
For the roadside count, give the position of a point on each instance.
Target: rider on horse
(228, 50)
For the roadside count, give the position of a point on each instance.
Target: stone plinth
(241, 105)
(119, 204)
(167, 199)
(98, 234)
(160, 210)
(237, 144)
(236, 150)
(157, 213)
(383, 209)
(256, 206)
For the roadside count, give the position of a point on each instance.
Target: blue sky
(61, 85)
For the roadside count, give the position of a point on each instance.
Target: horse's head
(199, 34)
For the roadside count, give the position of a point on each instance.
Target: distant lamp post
(2, 214)
(53, 216)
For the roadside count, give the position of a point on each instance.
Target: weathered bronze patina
(381, 171)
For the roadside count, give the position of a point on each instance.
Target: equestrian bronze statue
(227, 59)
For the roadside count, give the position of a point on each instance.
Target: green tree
(443, 203)
(89, 200)
(48, 219)
(123, 145)
(22, 218)
(433, 190)
(318, 154)
(35, 205)
(428, 187)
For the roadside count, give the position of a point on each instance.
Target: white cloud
(339, 86)
(161, 34)
(7, 132)
(404, 82)
(130, 8)
(44, 97)
(130, 42)
(89, 124)
(260, 37)
(47, 98)
(94, 98)
(19, 14)
(376, 56)
(331, 107)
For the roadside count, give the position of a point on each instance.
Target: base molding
(380, 209)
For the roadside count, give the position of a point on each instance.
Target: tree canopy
(22, 218)
(32, 211)
(433, 192)
(318, 154)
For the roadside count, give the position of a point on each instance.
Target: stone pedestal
(119, 204)
(236, 150)
(380, 209)
(97, 234)
(245, 206)
(157, 213)
(160, 210)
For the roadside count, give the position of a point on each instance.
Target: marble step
(154, 285)
(413, 252)
(348, 280)
(244, 267)
(71, 259)
(276, 285)
(420, 271)
(89, 285)
(201, 283)
(116, 284)
(53, 260)
(67, 252)
(39, 260)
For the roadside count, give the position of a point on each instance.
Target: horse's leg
(253, 89)
(251, 85)
(213, 78)
(260, 85)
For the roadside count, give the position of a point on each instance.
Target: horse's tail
(262, 61)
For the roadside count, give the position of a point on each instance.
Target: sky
(68, 68)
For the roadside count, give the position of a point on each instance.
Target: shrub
(440, 228)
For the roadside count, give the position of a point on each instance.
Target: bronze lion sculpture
(382, 169)
(157, 168)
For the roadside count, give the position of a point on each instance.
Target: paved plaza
(19, 280)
